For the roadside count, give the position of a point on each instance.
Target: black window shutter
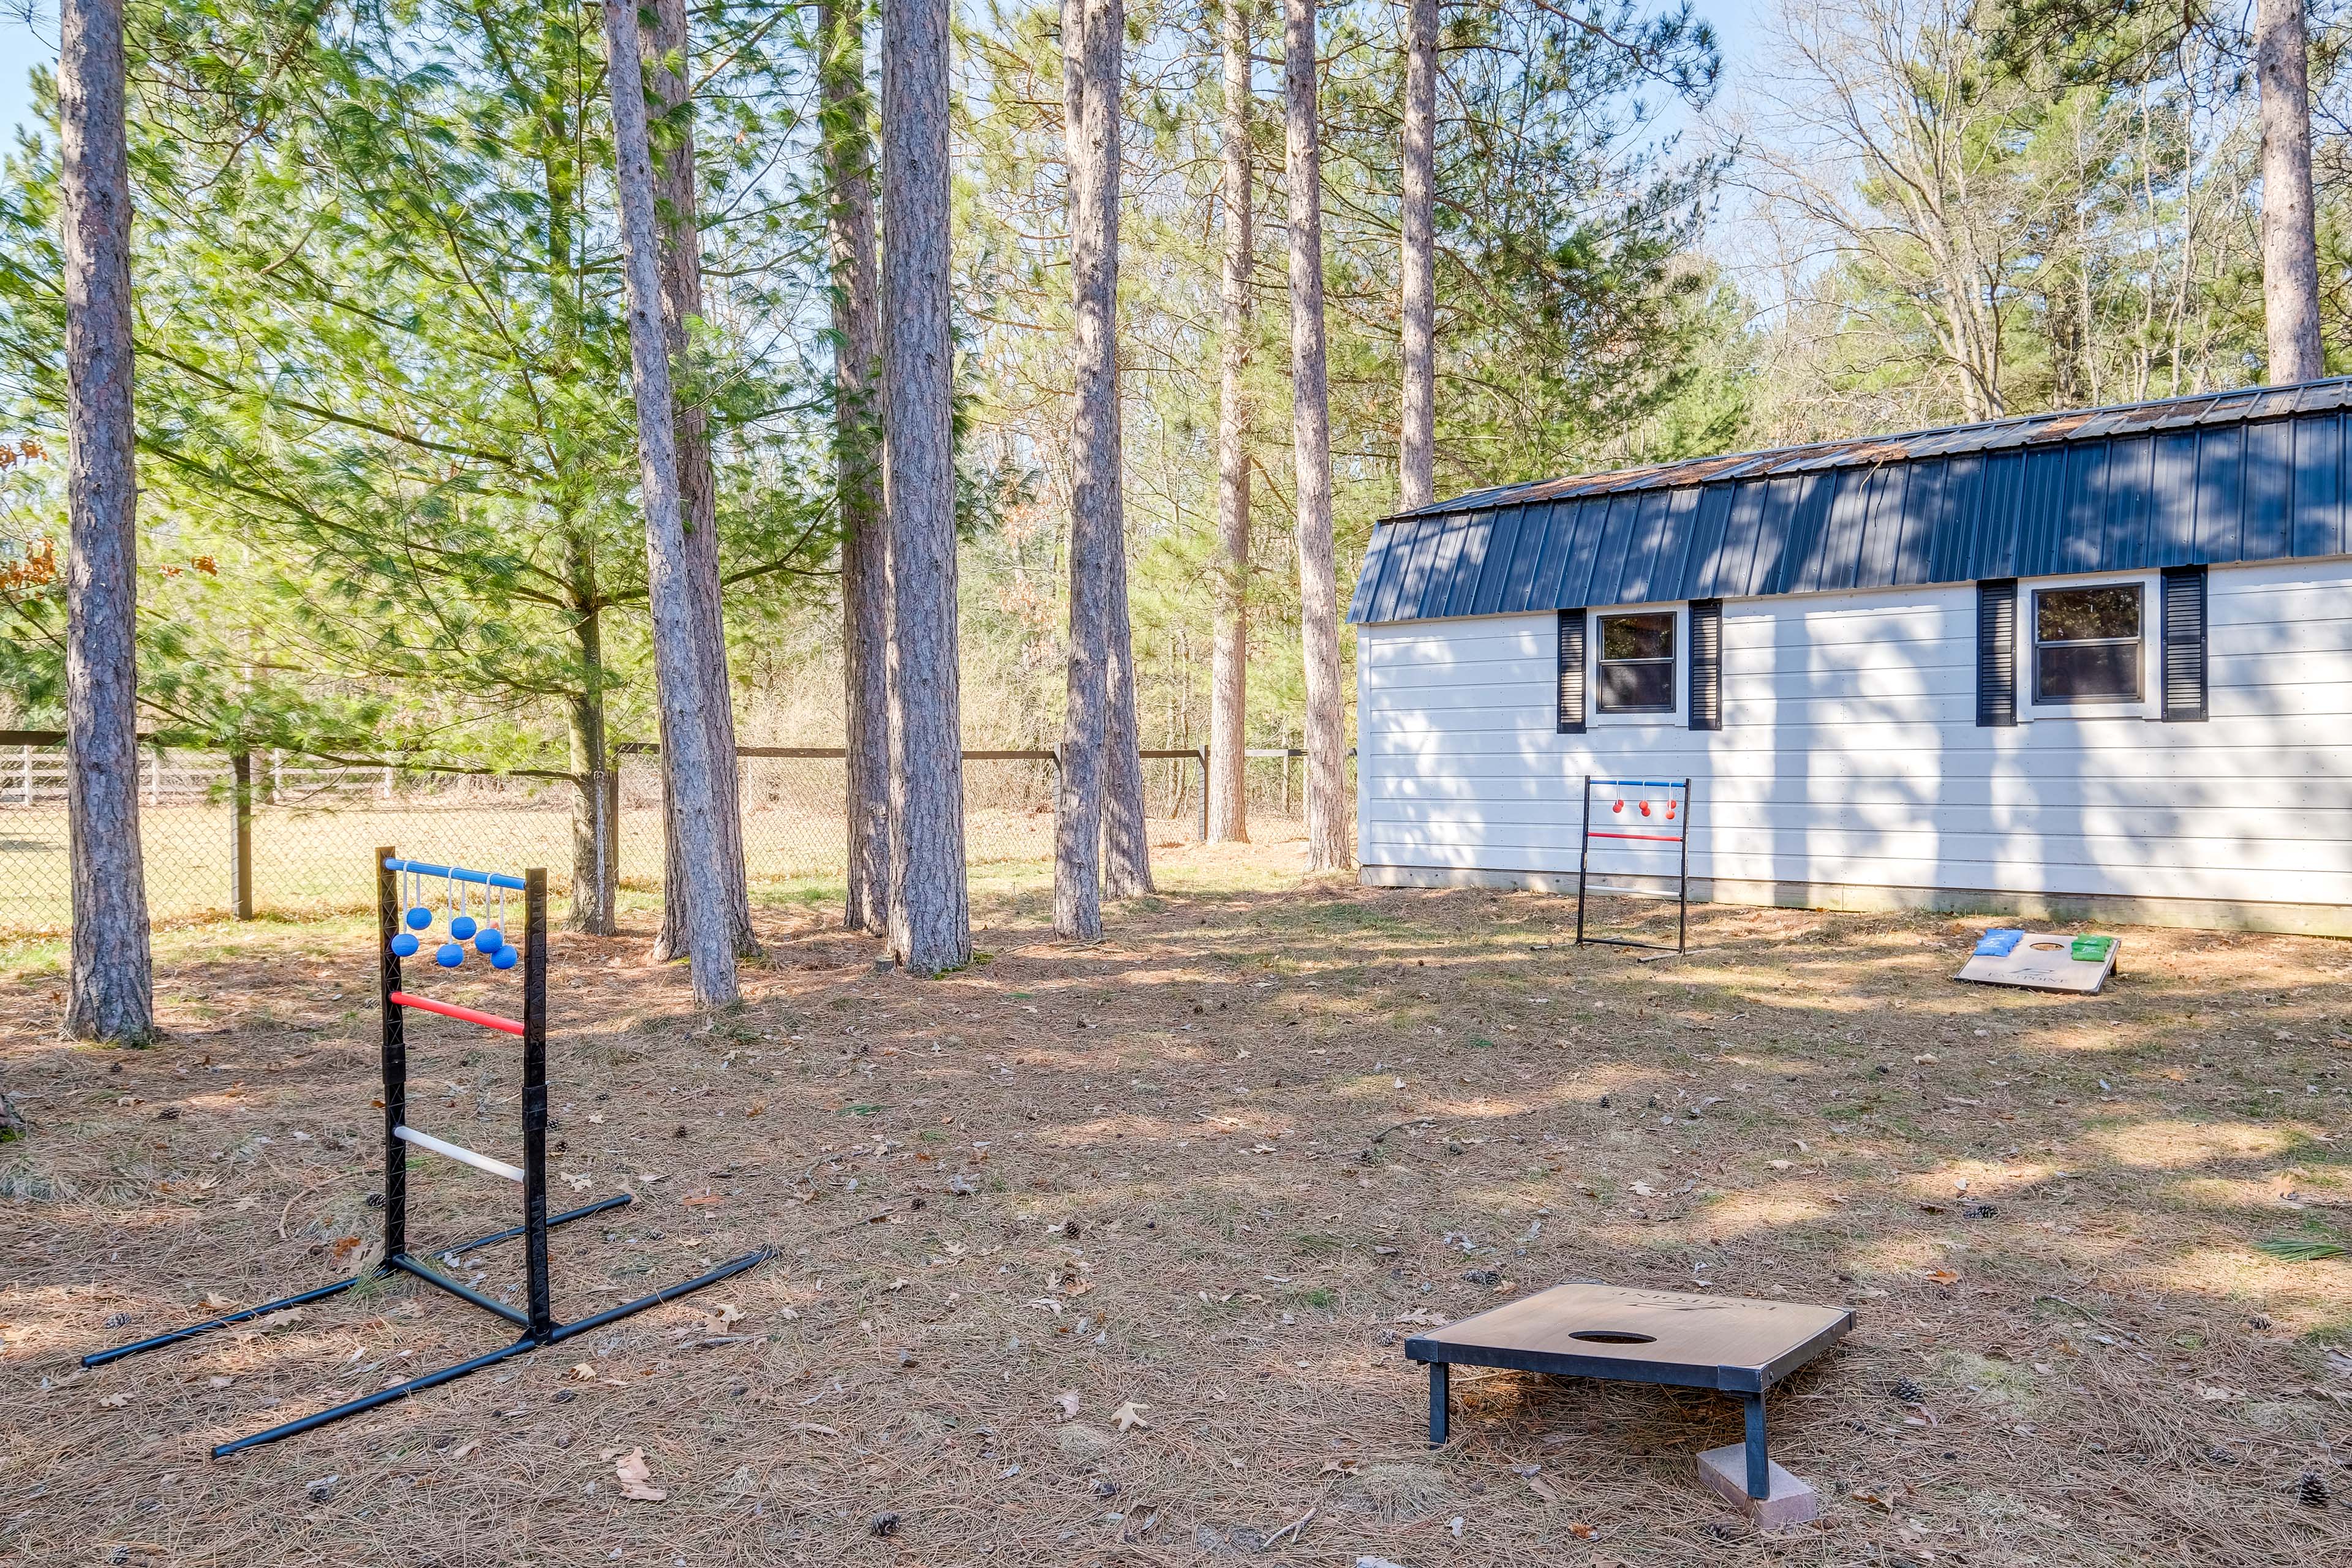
(1997, 653)
(1571, 672)
(2184, 644)
(1707, 664)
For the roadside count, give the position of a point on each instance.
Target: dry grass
(1215, 1163)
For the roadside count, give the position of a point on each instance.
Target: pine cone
(2313, 1492)
(1908, 1391)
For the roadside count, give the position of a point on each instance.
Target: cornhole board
(2042, 961)
(1727, 1343)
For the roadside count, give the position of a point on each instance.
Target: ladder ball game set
(404, 919)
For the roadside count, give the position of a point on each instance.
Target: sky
(23, 47)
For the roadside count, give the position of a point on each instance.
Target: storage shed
(2091, 665)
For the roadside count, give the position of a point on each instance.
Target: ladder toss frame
(1680, 839)
(538, 1322)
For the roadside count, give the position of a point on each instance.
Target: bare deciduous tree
(864, 568)
(1229, 663)
(931, 917)
(680, 665)
(111, 996)
(1889, 141)
(1331, 844)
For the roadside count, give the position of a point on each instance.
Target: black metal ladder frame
(538, 1322)
(1682, 867)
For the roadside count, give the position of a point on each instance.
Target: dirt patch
(1202, 1179)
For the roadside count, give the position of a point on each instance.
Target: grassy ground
(1214, 1167)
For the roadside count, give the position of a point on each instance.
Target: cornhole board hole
(1727, 1343)
(2045, 961)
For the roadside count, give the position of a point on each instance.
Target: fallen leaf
(757, 1108)
(1873, 1498)
(701, 1199)
(729, 1315)
(216, 1301)
(1542, 1488)
(585, 1372)
(1129, 1415)
(463, 1450)
(1579, 1530)
(223, 1381)
(1943, 1276)
(635, 1476)
(1068, 1400)
(115, 1401)
(1644, 1190)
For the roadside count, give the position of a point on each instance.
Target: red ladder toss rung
(451, 1010)
(1645, 837)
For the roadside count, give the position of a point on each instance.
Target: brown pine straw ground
(1217, 1166)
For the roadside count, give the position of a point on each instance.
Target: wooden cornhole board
(1728, 1344)
(2044, 960)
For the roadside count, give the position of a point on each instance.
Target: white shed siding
(1850, 757)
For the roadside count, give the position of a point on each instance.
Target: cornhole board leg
(1438, 1391)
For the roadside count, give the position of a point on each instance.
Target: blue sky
(22, 47)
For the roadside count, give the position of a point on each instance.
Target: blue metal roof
(2259, 474)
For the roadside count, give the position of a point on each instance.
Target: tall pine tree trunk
(847, 135)
(930, 915)
(681, 280)
(1127, 832)
(1416, 486)
(112, 993)
(2290, 247)
(1090, 40)
(1229, 658)
(1330, 842)
(681, 671)
(595, 877)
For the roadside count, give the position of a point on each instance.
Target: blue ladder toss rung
(460, 873)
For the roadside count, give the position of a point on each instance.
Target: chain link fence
(310, 825)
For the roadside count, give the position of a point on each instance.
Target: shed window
(1637, 663)
(2086, 644)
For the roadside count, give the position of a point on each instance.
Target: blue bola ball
(462, 927)
(449, 955)
(504, 958)
(405, 946)
(490, 940)
(419, 917)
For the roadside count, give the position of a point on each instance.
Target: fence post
(1203, 753)
(240, 832)
(608, 795)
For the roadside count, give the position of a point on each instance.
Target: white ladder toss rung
(459, 1152)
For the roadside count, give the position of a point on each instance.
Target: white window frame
(2151, 705)
(1673, 718)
